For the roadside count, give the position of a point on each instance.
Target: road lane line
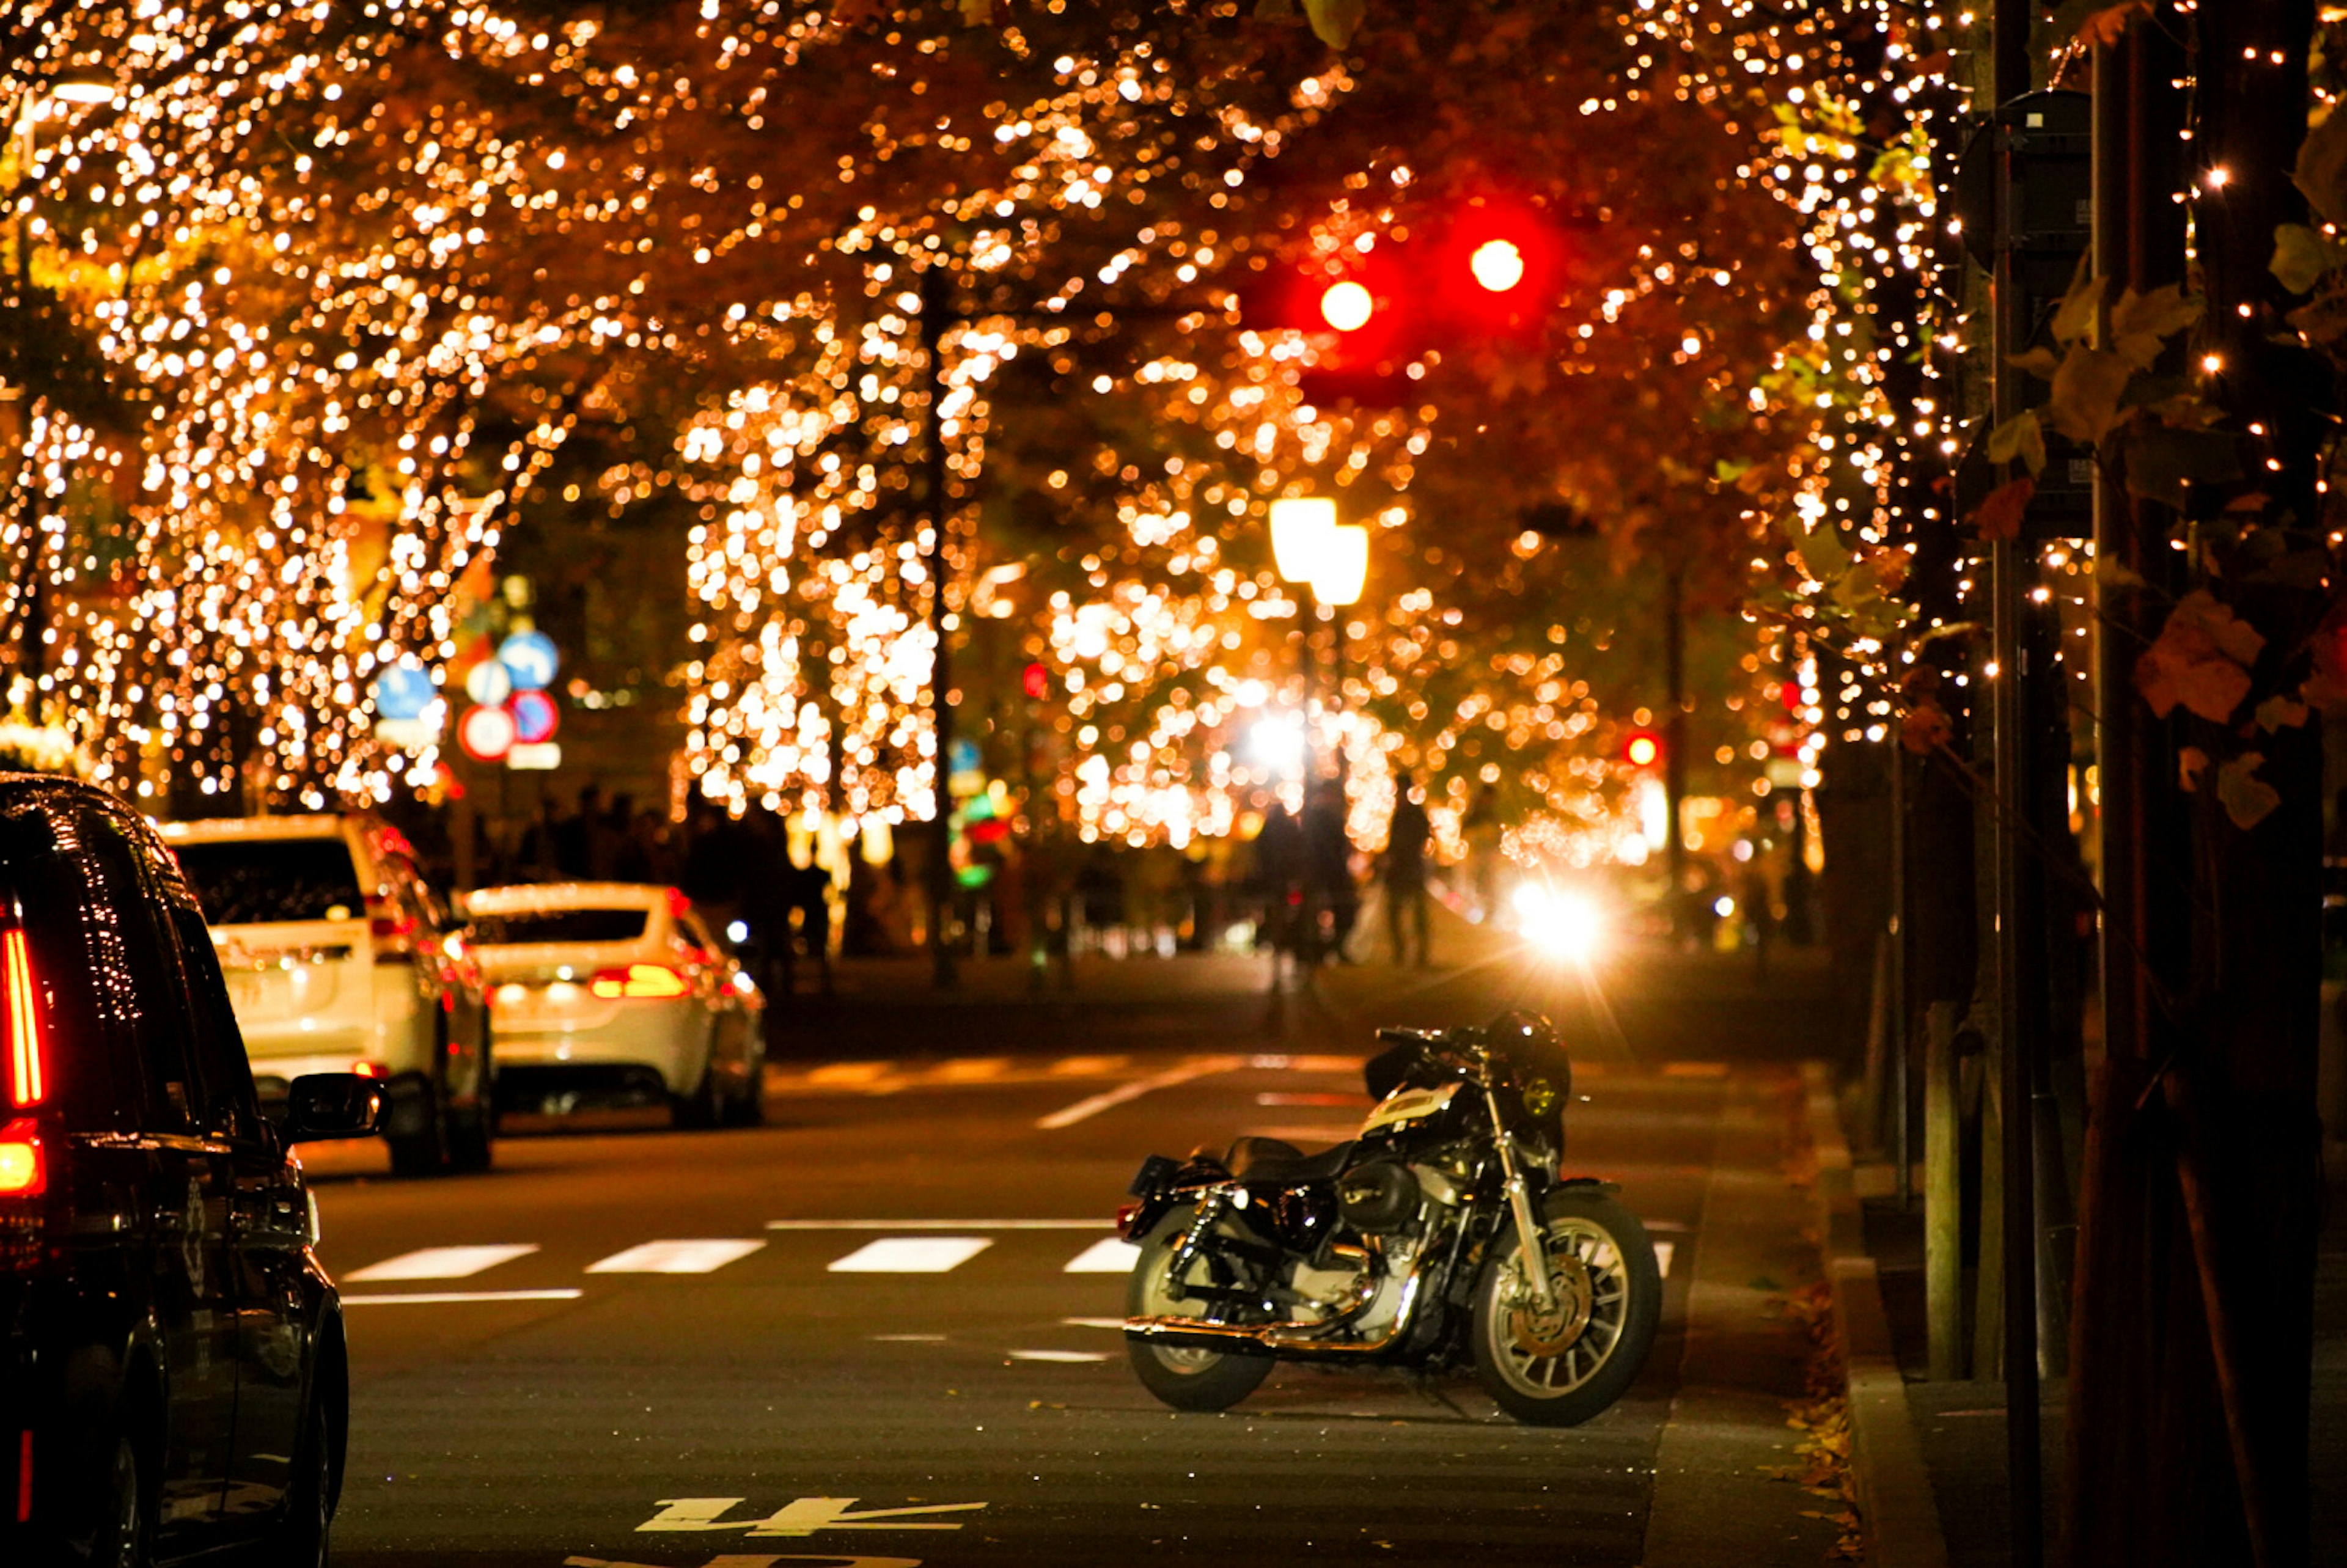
(1662, 1251)
(940, 1225)
(675, 1257)
(1082, 1110)
(911, 1255)
(1068, 1355)
(1107, 1256)
(442, 1262)
(445, 1297)
(1093, 1322)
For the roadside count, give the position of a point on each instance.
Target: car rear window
(249, 882)
(559, 926)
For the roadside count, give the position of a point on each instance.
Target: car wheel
(426, 1151)
(750, 1104)
(125, 1528)
(298, 1541)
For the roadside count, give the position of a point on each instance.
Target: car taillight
(28, 1067)
(393, 934)
(639, 980)
(24, 1168)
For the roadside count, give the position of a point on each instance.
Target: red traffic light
(1643, 749)
(1497, 265)
(1036, 681)
(1347, 306)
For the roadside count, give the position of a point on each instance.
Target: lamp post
(1329, 561)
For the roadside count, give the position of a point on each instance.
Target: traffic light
(1642, 749)
(1375, 308)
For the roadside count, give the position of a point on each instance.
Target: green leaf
(2301, 257)
(2249, 800)
(2321, 171)
(2020, 437)
(1335, 21)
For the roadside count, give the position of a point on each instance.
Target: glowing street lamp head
(1299, 528)
(1643, 751)
(1347, 306)
(1497, 265)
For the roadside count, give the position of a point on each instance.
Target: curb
(1898, 1514)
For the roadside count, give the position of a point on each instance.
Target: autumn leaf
(2322, 172)
(1335, 21)
(2280, 712)
(2075, 317)
(1926, 727)
(2248, 799)
(2038, 361)
(2301, 256)
(2086, 389)
(1998, 516)
(2020, 437)
(2191, 766)
(2107, 26)
(2161, 313)
(2199, 659)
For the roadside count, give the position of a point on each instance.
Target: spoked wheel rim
(1157, 1300)
(1548, 1349)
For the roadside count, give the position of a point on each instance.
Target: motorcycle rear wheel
(1558, 1363)
(1184, 1378)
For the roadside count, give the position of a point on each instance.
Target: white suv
(341, 959)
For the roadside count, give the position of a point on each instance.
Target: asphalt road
(880, 1331)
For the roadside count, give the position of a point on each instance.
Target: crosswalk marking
(1107, 1256)
(675, 1257)
(1663, 1250)
(939, 1224)
(1066, 1356)
(911, 1255)
(441, 1261)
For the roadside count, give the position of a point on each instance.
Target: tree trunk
(2192, 1345)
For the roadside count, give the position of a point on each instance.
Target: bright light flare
(1497, 265)
(1347, 306)
(1560, 923)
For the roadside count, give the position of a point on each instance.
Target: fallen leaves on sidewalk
(1821, 1417)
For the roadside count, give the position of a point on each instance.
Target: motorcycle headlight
(1540, 1097)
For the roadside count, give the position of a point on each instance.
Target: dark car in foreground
(172, 1378)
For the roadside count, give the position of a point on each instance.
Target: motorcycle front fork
(1530, 1234)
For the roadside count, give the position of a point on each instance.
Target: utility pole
(937, 307)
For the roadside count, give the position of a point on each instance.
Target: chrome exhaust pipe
(1292, 1341)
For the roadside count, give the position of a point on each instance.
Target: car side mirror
(331, 1106)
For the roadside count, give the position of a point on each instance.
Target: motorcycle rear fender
(1161, 1185)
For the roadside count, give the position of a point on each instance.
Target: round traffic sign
(529, 657)
(486, 733)
(535, 717)
(404, 691)
(488, 683)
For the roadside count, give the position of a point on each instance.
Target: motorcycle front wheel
(1556, 1363)
(1185, 1379)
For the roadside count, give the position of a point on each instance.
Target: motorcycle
(1405, 1246)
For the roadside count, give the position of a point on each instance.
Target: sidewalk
(1929, 1457)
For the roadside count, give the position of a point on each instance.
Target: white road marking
(972, 1068)
(1089, 1066)
(441, 1262)
(446, 1298)
(801, 1516)
(1663, 1250)
(1068, 1355)
(911, 1255)
(675, 1257)
(1093, 1322)
(850, 1072)
(940, 1225)
(1083, 1110)
(1680, 1226)
(1110, 1254)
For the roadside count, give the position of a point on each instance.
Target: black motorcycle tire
(1186, 1380)
(1619, 1337)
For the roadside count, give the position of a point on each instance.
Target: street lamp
(1329, 560)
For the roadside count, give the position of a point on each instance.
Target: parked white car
(340, 957)
(621, 991)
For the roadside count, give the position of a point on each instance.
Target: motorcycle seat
(1275, 1160)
